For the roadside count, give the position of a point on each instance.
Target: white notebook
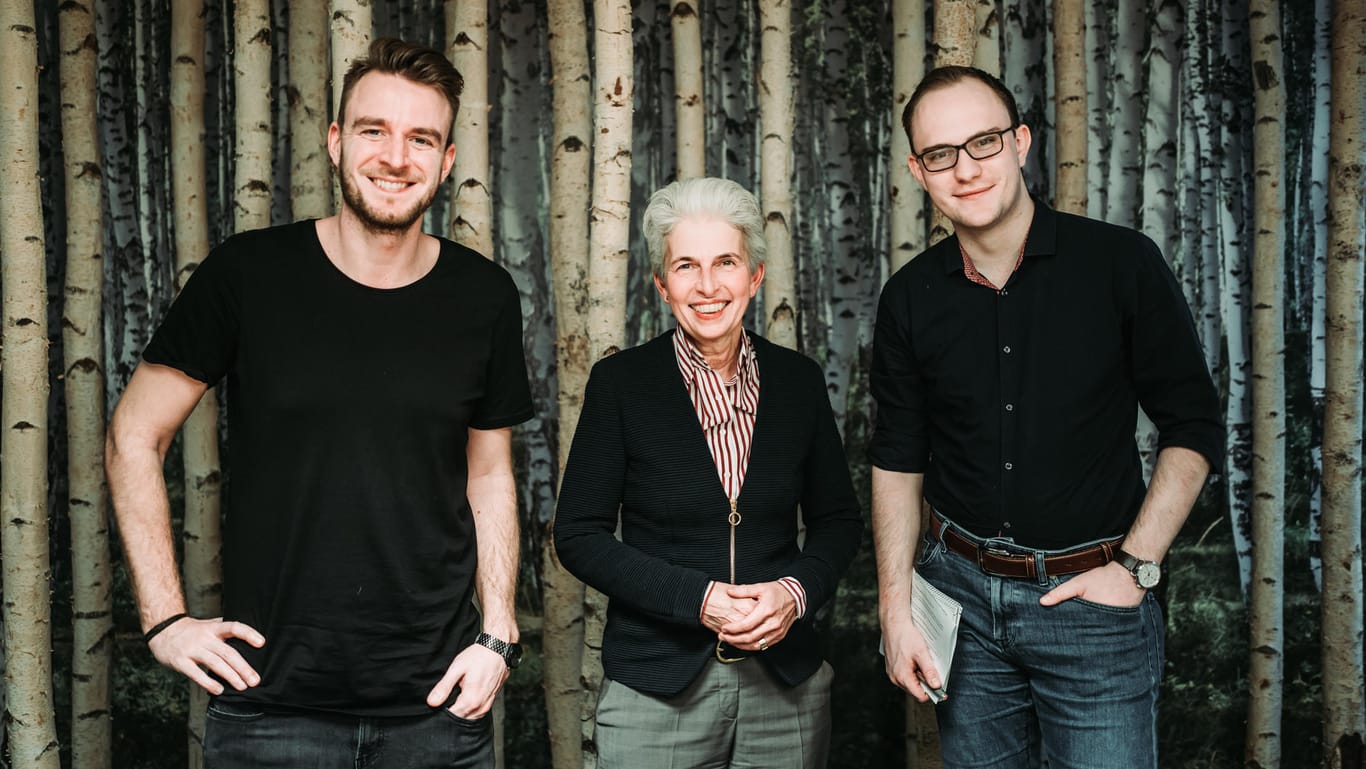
(936, 616)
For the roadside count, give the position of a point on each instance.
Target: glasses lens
(985, 146)
(940, 159)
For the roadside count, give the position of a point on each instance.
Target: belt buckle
(722, 654)
(983, 550)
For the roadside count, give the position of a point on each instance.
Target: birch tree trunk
(251, 99)
(1344, 722)
(92, 623)
(310, 170)
(1157, 213)
(1235, 282)
(30, 720)
(1098, 20)
(467, 31)
(1123, 186)
(986, 54)
(571, 95)
(689, 109)
(776, 116)
(609, 243)
(908, 67)
(1318, 209)
(955, 37)
(203, 511)
(351, 24)
(1069, 65)
(1267, 599)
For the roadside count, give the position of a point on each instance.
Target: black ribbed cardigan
(639, 448)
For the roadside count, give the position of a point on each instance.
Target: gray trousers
(731, 717)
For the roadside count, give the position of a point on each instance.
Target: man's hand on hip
(192, 646)
(480, 673)
(909, 664)
(1110, 585)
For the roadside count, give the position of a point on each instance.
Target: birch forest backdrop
(136, 133)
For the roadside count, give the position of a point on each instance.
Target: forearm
(1178, 477)
(493, 499)
(896, 523)
(137, 489)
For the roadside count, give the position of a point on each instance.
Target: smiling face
(392, 154)
(974, 194)
(707, 282)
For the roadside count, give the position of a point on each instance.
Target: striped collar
(713, 401)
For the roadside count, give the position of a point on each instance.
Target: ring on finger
(763, 644)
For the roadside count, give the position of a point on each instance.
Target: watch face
(514, 655)
(1148, 574)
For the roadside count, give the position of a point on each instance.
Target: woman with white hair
(707, 443)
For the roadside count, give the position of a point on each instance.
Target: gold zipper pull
(734, 519)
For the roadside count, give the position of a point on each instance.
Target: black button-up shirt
(1020, 405)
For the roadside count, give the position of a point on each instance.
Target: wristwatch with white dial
(1146, 573)
(510, 652)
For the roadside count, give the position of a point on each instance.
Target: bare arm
(492, 493)
(153, 407)
(1177, 479)
(897, 511)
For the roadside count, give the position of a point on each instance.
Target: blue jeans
(243, 737)
(1072, 686)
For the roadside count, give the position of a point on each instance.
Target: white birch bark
(351, 25)
(1236, 306)
(986, 54)
(609, 239)
(1098, 17)
(310, 170)
(83, 352)
(908, 207)
(30, 721)
(252, 141)
(1318, 209)
(472, 212)
(1070, 100)
(203, 476)
(1026, 70)
(1157, 212)
(1344, 714)
(1267, 597)
(571, 97)
(1127, 99)
(689, 108)
(776, 116)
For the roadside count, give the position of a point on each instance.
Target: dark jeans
(1072, 686)
(238, 737)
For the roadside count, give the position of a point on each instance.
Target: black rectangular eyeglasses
(979, 147)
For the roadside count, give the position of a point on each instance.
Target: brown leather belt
(1001, 563)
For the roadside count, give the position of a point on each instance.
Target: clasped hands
(750, 617)
(197, 647)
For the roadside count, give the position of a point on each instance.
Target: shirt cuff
(798, 593)
(702, 612)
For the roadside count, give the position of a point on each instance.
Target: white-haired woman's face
(707, 281)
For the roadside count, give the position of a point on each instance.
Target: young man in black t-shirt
(373, 374)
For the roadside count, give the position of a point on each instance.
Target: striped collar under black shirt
(726, 412)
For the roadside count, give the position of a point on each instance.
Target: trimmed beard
(372, 220)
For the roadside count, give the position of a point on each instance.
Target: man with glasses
(1009, 363)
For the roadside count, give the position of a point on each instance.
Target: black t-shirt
(349, 542)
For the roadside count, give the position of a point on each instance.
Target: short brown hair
(418, 63)
(943, 77)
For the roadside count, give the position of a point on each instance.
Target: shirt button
(1006, 349)
(1005, 525)
(1010, 466)
(1010, 407)
(1005, 292)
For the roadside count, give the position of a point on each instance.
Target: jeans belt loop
(1040, 570)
